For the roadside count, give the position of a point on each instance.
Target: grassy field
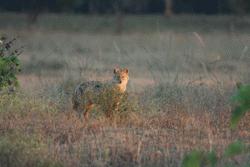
(183, 72)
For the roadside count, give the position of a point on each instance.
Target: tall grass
(182, 75)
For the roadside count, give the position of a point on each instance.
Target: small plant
(235, 148)
(9, 64)
(242, 99)
(199, 158)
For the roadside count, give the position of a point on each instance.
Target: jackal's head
(121, 78)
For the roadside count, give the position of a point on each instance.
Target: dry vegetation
(181, 81)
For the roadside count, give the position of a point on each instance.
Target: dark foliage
(9, 64)
(128, 6)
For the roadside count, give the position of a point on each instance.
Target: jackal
(107, 94)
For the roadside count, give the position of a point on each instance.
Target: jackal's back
(87, 92)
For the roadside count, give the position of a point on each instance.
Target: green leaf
(9, 66)
(242, 100)
(237, 114)
(212, 158)
(234, 149)
(243, 95)
(193, 159)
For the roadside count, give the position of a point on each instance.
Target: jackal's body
(87, 94)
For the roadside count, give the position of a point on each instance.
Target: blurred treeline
(167, 7)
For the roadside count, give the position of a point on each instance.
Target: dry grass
(145, 139)
(182, 82)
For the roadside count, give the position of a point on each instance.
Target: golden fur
(87, 94)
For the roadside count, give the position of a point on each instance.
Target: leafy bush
(242, 100)
(9, 64)
(198, 158)
(235, 148)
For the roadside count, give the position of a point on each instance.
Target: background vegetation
(129, 6)
(183, 73)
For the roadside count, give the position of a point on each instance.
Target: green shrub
(199, 158)
(235, 148)
(242, 100)
(9, 64)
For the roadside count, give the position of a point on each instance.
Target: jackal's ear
(126, 70)
(116, 70)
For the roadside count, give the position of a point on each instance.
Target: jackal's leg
(87, 110)
(79, 110)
